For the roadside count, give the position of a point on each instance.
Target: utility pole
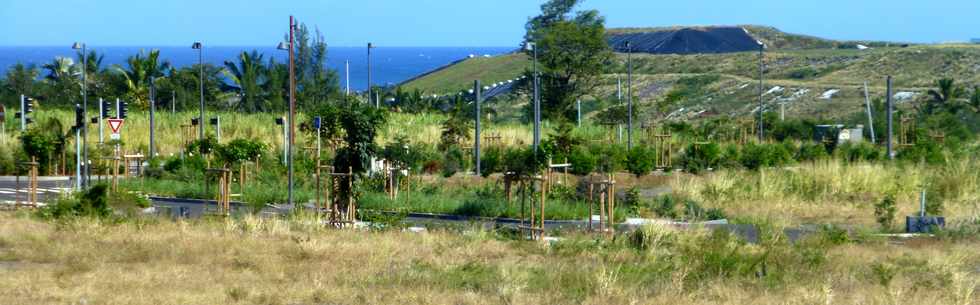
(78, 154)
(890, 110)
(101, 128)
(200, 62)
(476, 145)
(347, 77)
(84, 49)
(871, 122)
(23, 114)
(537, 100)
(629, 96)
(292, 106)
(173, 102)
(370, 90)
(578, 110)
(153, 107)
(762, 48)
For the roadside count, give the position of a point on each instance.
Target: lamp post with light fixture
(292, 107)
(85, 168)
(200, 62)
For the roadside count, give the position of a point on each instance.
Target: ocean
(389, 65)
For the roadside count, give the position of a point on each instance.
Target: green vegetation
(460, 76)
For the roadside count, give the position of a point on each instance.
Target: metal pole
(369, 90)
(629, 96)
(292, 108)
(23, 114)
(782, 112)
(173, 102)
(217, 127)
(476, 145)
(101, 128)
(871, 122)
(153, 106)
(78, 159)
(578, 109)
(347, 77)
(285, 141)
(762, 133)
(890, 110)
(537, 103)
(200, 118)
(85, 111)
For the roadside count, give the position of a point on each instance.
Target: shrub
(93, 202)
(693, 211)
(174, 164)
(698, 158)
(452, 162)
(885, 212)
(491, 161)
(640, 160)
(755, 156)
(856, 152)
(812, 152)
(583, 161)
(665, 207)
(610, 157)
(928, 152)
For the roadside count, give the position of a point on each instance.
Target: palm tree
(249, 76)
(62, 78)
(946, 96)
(141, 68)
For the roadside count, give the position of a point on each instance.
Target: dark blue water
(389, 65)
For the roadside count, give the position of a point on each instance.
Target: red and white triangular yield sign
(115, 124)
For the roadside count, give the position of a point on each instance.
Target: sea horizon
(391, 65)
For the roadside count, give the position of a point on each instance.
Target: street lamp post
(531, 46)
(369, 89)
(200, 62)
(629, 96)
(82, 46)
(292, 106)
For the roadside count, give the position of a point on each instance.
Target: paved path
(47, 188)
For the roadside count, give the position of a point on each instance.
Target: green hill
(809, 76)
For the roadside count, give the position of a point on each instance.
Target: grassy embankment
(290, 261)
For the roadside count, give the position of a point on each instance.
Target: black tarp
(687, 41)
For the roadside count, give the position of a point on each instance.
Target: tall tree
(137, 74)
(20, 79)
(315, 83)
(572, 52)
(249, 76)
(62, 80)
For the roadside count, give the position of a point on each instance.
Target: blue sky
(454, 22)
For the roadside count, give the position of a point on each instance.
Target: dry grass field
(290, 261)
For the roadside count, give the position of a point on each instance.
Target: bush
(812, 152)
(640, 160)
(93, 202)
(173, 164)
(583, 161)
(610, 158)
(452, 162)
(698, 158)
(885, 212)
(665, 207)
(755, 156)
(491, 161)
(694, 212)
(928, 152)
(856, 152)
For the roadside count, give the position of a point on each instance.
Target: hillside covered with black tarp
(686, 41)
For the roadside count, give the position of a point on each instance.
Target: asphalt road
(48, 188)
